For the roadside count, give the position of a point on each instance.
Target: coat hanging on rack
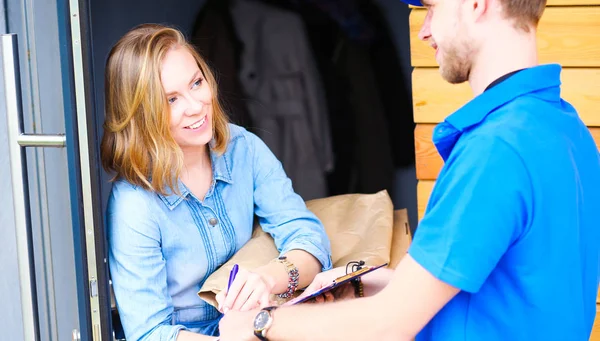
(288, 107)
(369, 104)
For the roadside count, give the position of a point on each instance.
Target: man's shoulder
(520, 125)
(486, 139)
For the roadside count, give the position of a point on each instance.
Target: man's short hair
(526, 13)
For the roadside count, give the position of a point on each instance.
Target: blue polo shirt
(513, 220)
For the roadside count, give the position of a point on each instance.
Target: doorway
(55, 279)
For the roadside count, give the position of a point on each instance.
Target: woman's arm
(137, 268)
(274, 272)
(298, 234)
(252, 289)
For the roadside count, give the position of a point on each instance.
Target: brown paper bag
(359, 227)
(401, 237)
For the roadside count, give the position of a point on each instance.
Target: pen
(232, 275)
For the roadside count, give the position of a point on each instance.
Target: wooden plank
(572, 2)
(424, 188)
(434, 98)
(596, 329)
(566, 35)
(428, 161)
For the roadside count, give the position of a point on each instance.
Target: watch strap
(262, 333)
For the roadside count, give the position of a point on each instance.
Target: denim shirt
(162, 248)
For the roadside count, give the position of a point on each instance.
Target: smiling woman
(148, 71)
(187, 186)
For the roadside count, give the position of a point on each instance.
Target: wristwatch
(293, 277)
(262, 322)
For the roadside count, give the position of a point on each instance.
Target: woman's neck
(197, 171)
(196, 159)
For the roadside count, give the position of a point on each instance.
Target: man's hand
(238, 326)
(248, 291)
(344, 292)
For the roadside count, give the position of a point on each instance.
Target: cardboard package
(360, 227)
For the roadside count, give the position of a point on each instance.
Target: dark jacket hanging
(369, 105)
(215, 39)
(288, 106)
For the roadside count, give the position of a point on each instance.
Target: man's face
(446, 32)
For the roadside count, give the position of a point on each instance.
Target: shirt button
(213, 221)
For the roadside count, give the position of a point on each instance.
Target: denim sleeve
(282, 213)
(138, 271)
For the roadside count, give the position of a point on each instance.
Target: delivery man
(508, 248)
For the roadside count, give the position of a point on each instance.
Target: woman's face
(189, 97)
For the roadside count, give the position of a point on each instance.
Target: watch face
(261, 320)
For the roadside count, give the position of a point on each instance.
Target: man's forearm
(412, 297)
(360, 319)
(347, 318)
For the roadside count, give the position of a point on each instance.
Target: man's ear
(477, 9)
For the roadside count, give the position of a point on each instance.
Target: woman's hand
(248, 291)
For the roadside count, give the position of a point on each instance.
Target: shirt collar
(526, 81)
(220, 167)
(221, 172)
(501, 79)
(535, 79)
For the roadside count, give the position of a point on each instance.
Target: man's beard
(456, 65)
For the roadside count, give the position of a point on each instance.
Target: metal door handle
(17, 141)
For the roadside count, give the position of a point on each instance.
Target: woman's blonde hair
(137, 144)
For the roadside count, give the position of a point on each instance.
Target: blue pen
(232, 275)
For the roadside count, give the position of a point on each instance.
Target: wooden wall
(569, 34)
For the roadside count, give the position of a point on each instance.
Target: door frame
(80, 142)
(88, 226)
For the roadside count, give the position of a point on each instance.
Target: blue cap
(413, 2)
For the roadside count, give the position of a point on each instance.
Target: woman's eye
(172, 100)
(198, 82)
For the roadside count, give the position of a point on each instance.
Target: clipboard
(336, 283)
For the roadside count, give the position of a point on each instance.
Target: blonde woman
(187, 185)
